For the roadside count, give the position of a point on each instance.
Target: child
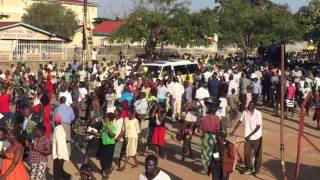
(223, 159)
(86, 172)
(233, 103)
(132, 131)
(187, 136)
(151, 126)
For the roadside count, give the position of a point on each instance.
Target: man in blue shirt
(213, 86)
(67, 115)
(256, 90)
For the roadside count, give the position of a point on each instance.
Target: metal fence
(32, 51)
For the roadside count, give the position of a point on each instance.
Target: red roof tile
(108, 27)
(2, 24)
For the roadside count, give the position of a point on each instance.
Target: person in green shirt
(108, 144)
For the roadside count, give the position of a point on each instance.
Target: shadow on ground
(274, 167)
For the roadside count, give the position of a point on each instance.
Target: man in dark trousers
(253, 136)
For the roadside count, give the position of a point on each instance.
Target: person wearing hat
(60, 152)
(223, 158)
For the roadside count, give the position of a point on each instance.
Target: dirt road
(189, 170)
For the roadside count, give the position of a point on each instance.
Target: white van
(181, 67)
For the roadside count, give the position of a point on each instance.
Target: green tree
(159, 22)
(52, 17)
(249, 23)
(308, 18)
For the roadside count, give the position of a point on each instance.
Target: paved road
(189, 170)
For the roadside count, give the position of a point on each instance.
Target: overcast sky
(113, 8)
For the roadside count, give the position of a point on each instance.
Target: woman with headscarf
(209, 126)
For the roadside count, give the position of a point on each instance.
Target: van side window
(166, 70)
(192, 68)
(182, 69)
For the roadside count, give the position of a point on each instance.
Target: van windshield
(152, 71)
(185, 69)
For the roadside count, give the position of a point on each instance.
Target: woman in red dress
(45, 102)
(49, 86)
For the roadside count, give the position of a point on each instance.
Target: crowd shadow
(306, 171)
(289, 127)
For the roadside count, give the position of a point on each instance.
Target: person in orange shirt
(12, 164)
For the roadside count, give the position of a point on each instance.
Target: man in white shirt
(153, 172)
(118, 88)
(94, 55)
(201, 95)
(233, 84)
(119, 123)
(317, 81)
(170, 86)
(141, 107)
(253, 136)
(59, 150)
(82, 74)
(27, 117)
(64, 92)
(178, 90)
(83, 92)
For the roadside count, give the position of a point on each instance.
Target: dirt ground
(189, 170)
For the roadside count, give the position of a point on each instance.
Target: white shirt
(59, 144)
(68, 97)
(161, 176)
(178, 91)
(221, 112)
(25, 122)
(170, 88)
(119, 126)
(233, 85)
(250, 123)
(118, 89)
(82, 75)
(94, 55)
(317, 82)
(236, 77)
(202, 94)
(207, 75)
(141, 106)
(82, 94)
(161, 92)
(190, 117)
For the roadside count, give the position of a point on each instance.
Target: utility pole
(283, 83)
(84, 32)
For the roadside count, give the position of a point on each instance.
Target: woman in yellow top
(12, 165)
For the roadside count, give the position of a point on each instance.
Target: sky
(113, 8)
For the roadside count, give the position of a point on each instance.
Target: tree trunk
(150, 47)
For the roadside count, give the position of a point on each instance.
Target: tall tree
(249, 23)
(166, 22)
(309, 19)
(52, 17)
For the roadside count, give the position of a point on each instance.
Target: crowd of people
(41, 110)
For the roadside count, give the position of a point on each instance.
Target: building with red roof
(107, 27)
